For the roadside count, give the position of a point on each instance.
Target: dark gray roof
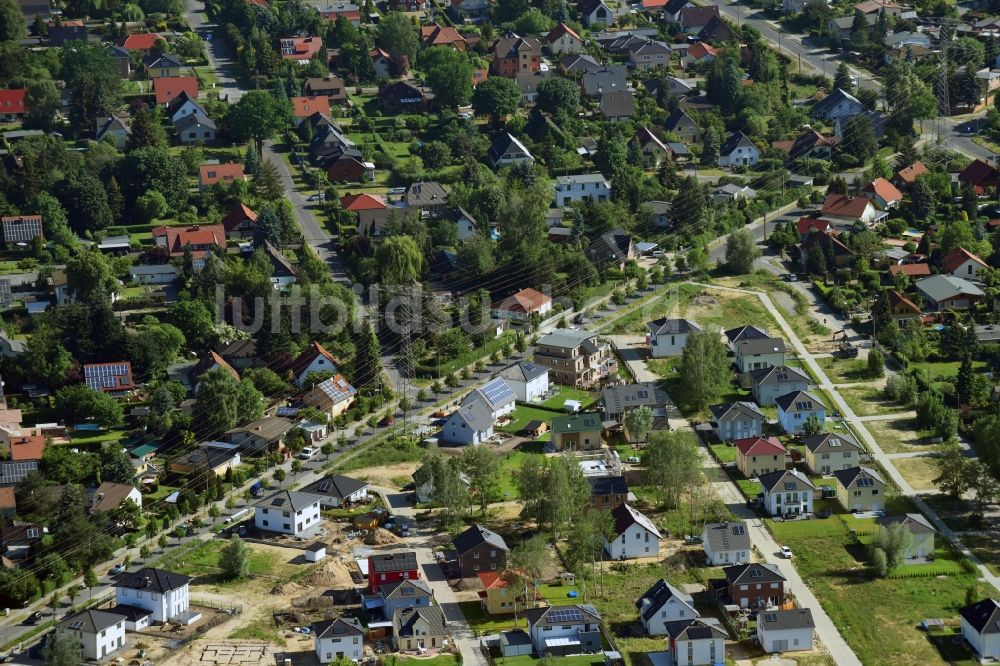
(693, 630)
(735, 410)
(192, 120)
(613, 77)
(524, 371)
(915, 522)
(736, 140)
(795, 618)
(507, 143)
(566, 338)
(761, 345)
(616, 399)
(154, 580)
(983, 616)
(580, 63)
(825, 105)
(476, 415)
(665, 326)
(678, 117)
(827, 442)
(748, 332)
(754, 572)
(288, 500)
(430, 193)
(607, 485)
(130, 613)
(385, 562)
(476, 536)
(660, 593)
(163, 60)
(342, 626)
(553, 616)
(91, 621)
(852, 475)
(404, 619)
(778, 374)
(335, 485)
(799, 401)
(730, 535)
(406, 589)
(617, 104)
(789, 480)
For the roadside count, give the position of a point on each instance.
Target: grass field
(482, 623)
(844, 371)
(709, 308)
(918, 472)
(509, 466)
(523, 414)
(558, 401)
(201, 560)
(883, 631)
(261, 629)
(867, 400)
(900, 436)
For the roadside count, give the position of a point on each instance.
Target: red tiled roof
(560, 30)
(807, 224)
(527, 301)
(306, 106)
(210, 174)
(896, 298)
(169, 87)
(235, 217)
(884, 189)
(12, 101)
(699, 50)
(844, 205)
(305, 359)
(435, 35)
(27, 448)
(356, 202)
(140, 41)
(913, 270)
(300, 48)
(7, 499)
(211, 361)
(979, 174)
(958, 257)
(178, 238)
(653, 4)
(758, 446)
(909, 174)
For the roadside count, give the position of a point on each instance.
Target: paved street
(217, 51)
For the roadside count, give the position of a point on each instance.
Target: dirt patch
(384, 476)
(331, 573)
(380, 537)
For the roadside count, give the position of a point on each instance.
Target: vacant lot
(844, 371)
(901, 436)
(710, 308)
(918, 472)
(867, 400)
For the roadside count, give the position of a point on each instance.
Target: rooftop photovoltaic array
(498, 392)
(108, 376)
(566, 615)
(865, 482)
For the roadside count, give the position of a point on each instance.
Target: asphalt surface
(216, 50)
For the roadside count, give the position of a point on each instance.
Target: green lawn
(482, 623)
(724, 452)
(899, 436)
(440, 660)
(88, 437)
(878, 617)
(509, 466)
(202, 559)
(709, 308)
(523, 414)
(867, 400)
(565, 393)
(844, 371)
(573, 660)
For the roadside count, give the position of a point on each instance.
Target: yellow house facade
(860, 489)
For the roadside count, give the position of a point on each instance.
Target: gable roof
(152, 580)
(607, 485)
(758, 345)
(553, 616)
(406, 588)
(303, 107)
(799, 401)
(109, 495)
(341, 626)
(195, 119)
(91, 621)
(858, 476)
(109, 377)
(942, 287)
(698, 17)
(180, 100)
(745, 332)
(404, 619)
(140, 41)
(909, 174)
(983, 616)
(620, 397)
(730, 535)
(308, 355)
(527, 301)
(511, 44)
(778, 374)
(495, 394)
(392, 562)
(237, 216)
(979, 173)
(29, 447)
(560, 30)
(169, 87)
(177, 238)
(507, 143)
(845, 205)
(789, 479)
(915, 522)
(759, 446)
(667, 326)
(694, 630)
(625, 517)
(288, 500)
(475, 536)
(827, 442)
(959, 256)
(617, 104)
(209, 174)
(884, 190)
(580, 62)
(753, 572)
(583, 422)
(780, 620)
(475, 414)
(659, 594)
(734, 410)
(913, 270)
(827, 104)
(358, 202)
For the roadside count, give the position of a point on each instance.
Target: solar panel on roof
(738, 529)
(278, 501)
(865, 482)
(325, 486)
(770, 617)
(566, 615)
(76, 625)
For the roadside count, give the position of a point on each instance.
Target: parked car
(632, 459)
(34, 618)
(117, 569)
(786, 552)
(307, 453)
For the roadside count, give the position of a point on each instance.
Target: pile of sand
(380, 537)
(323, 578)
(314, 602)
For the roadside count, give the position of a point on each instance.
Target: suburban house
(907, 176)
(982, 176)
(209, 362)
(200, 239)
(616, 105)
(582, 187)
(738, 150)
(162, 594)
(693, 20)
(961, 263)
(737, 420)
(920, 529)
(479, 549)
(563, 39)
(945, 292)
(797, 407)
(500, 594)
(336, 491)
(618, 400)
(389, 567)
(981, 627)
(513, 53)
(300, 49)
(404, 593)
(562, 630)
(428, 197)
(663, 603)
(668, 337)
(341, 638)
(828, 452)
(596, 13)
(900, 307)
(697, 642)
(683, 125)
(314, 358)
(726, 543)
(768, 384)
(112, 378)
(469, 424)
(119, 128)
(523, 305)
(287, 512)
(754, 585)
(143, 42)
(850, 209)
(607, 492)
(195, 128)
(635, 535)
(415, 629)
(21, 229)
(164, 64)
(577, 432)
(372, 211)
(648, 55)
(785, 630)
(100, 633)
(860, 489)
(838, 104)
(217, 457)
(498, 397)
(787, 492)
(757, 353)
(528, 381)
(697, 53)
(507, 150)
(574, 357)
(331, 87)
(227, 174)
(756, 456)
(884, 193)
(654, 151)
(110, 495)
(168, 88)
(260, 437)
(332, 396)
(155, 274)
